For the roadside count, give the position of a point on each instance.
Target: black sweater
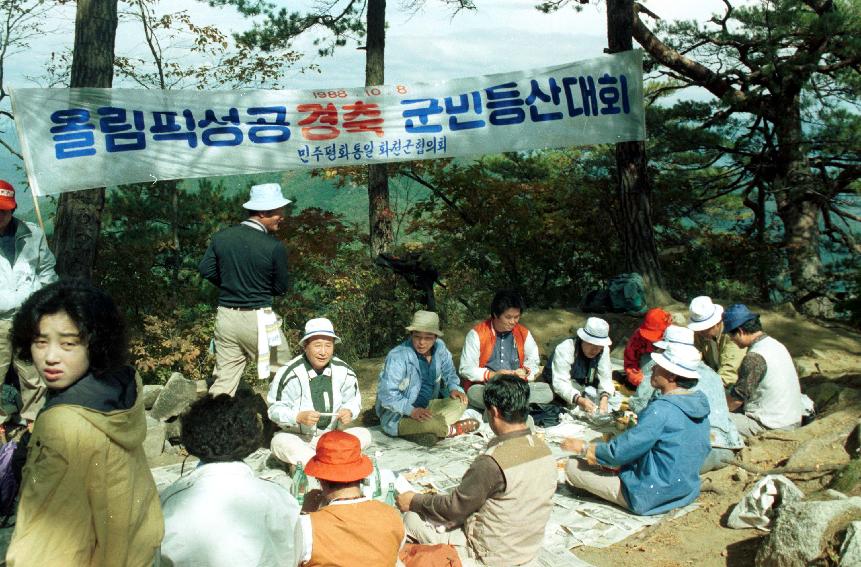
(248, 266)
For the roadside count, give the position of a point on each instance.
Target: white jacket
(469, 358)
(563, 360)
(221, 515)
(290, 393)
(32, 270)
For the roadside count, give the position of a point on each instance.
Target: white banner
(81, 138)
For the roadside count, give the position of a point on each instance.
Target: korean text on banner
(81, 138)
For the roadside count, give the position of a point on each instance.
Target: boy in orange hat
(350, 529)
(639, 345)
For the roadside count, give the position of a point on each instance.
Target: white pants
(293, 448)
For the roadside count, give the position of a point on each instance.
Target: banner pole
(38, 211)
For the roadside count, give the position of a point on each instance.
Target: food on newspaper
(420, 479)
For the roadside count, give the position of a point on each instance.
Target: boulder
(150, 393)
(804, 529)
(154, 442)
(174, 399)
(850, 552)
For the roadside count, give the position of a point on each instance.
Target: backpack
(8, 481)
(628, 294)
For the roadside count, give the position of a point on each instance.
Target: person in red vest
(640, 346)
(349, 529)
(498, 346)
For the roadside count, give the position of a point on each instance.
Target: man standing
(497, 515)
(249, 266)
(349, 529)
(767, 394)
(719, 352)
(418, 396)
(26, 265)
(499, 346)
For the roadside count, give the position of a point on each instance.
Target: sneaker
(464, 426)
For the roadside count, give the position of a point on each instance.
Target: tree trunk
(799, 208)
(379, 209)
(76, 232)
(633, 187)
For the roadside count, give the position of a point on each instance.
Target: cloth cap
(321, 327)
(425, 322)
(735, 316)
(675, 335)
(681, 360)
(596, 331)
(654, 324)
(704, 314)
(339, 458)
(7, 197)
(265, 197)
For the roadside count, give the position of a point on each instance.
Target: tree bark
(379, 208)
(78, 221)
(632, 184)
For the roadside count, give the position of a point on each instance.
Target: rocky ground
(815, 457)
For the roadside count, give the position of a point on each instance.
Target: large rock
(804, 529)
(850, 552)
(154, 442)
(150, 394)
(175, 398)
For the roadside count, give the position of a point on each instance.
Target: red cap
(7, 197)
(654, 324)
(339, 458)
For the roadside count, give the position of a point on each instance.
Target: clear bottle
(391, 495)
(378, 488)
(300, 483)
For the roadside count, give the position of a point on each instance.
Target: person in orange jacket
(639, 345)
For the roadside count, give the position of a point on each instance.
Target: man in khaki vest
(497, 515)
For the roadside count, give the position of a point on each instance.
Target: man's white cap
(675, 335)
(319, 327)
(681, 360)
(704, 314)
(265, 197)
(596, 331)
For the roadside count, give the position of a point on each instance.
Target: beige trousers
(445, 412)
(236, 345)
(32, 388)
(603, 484)
(293, 448)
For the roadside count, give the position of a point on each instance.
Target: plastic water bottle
(300, 483)
(390, 495)
(378, 488)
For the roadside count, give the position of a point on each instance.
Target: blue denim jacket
(401, 378)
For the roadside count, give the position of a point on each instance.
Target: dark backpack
(628, 294)
(12, 458)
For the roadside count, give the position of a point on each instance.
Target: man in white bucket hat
(314, 393)
(248, 264)
(582, 361)
(659, 459)
(418, 394)
(724, 436)
(719, 352)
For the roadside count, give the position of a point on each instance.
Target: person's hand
(309, 418)
(312, 501)
(522, 373)
(572, 445)
(403, 500)
(604, 404)
(421, 414)
(458, 395)
(345, 415)
(586, 404)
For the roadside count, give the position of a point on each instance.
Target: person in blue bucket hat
(767, 394)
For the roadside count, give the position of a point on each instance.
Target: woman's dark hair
(504, 300)
(510, 395)
(94, 313)
(222, 429)
(752, 326)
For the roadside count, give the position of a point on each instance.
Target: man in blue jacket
(660, 458)
(419, 395)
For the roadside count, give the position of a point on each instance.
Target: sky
(427, 46)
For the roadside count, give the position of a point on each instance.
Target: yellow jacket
(722, 356)
(88, 497)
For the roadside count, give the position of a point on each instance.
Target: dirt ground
(824, 354)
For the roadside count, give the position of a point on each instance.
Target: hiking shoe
(463, 426)
(423, 439)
